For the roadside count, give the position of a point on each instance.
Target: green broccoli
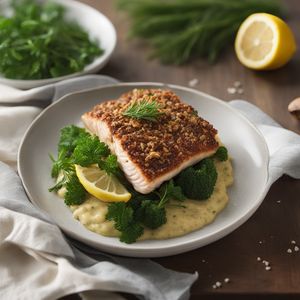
(221, 154)
(198, 182)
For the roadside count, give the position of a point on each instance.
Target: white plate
(95, 23)
(245, 144)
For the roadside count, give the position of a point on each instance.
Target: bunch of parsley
(38, 42)
(76, 146)
(143, 211)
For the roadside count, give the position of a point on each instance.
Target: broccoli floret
(221, 154)
(198, 182)
(151, 214)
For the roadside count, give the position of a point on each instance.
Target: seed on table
(231, 90)
(237, 84)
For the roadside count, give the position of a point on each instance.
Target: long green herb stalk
(181, 29)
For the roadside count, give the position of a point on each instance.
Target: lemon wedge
(264, 42)
(101, 185)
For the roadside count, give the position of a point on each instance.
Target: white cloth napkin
(36, 260)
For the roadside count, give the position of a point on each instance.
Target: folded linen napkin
(37, 262)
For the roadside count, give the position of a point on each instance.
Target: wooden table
(269, 232)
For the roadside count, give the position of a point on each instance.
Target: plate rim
(170, 250)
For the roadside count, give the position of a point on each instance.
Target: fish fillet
(148, 152)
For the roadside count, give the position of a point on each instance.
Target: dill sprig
(181, 29)
(145, 109)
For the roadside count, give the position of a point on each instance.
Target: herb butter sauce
(182, 218)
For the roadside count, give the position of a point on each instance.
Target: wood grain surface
(268, 234)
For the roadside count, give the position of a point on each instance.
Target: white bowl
(95, 23)
(245, 144)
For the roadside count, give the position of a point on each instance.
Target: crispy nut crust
(157, 147)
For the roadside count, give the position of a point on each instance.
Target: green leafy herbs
(143, 211)
(181, 29)
(110, 165)
(123, 216)
(198, 182)
(221, 154)
(89, 150)
(69, 138)
(76, 193)
(38, 42)
(146, 109)
(76, 146)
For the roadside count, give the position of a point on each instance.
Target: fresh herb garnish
(76, 193)
(143, 211)
(89, 150)
(181, 29)
(123, 216)
(146, 109)
(38, 42)
(76, 146)
(110, 165)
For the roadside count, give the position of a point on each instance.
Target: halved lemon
(264, 42)
(101, 185)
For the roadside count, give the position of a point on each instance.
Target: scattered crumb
(293, 242)
(260, 242)
(278, 201)
(193, 82)
(240, 91)
(296, 249)
(266, 263)
(231, 90)
(236, 88)
(218, 284)
(289, 250)
(237, 84)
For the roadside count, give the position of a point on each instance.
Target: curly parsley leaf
(123, 216)
(170, 191)
(69, 138)
(76, 193)
(110, 165)
(76, 146)
(89, 150)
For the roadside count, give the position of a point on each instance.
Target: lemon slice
(101, 185)
(264, 42)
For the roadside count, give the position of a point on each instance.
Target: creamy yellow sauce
(180, 220)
